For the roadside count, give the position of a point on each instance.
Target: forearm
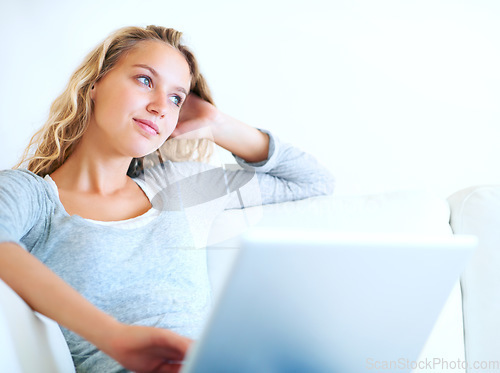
(48, 294)
(200, 119)
(240, 139)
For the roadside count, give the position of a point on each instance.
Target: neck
(92, 170)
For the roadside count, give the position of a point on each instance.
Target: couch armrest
(476, 211)
(29, 342)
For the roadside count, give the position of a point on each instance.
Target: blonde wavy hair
(69, 114)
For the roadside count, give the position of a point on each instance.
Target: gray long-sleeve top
(150, 270)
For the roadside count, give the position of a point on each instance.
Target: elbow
(322, 186)
(325, 185)
(328, 186)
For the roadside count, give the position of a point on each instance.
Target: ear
(92, 92)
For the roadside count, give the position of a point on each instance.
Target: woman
(109, 249)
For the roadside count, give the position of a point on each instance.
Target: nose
(158, 104)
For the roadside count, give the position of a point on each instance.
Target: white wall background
(388, 94)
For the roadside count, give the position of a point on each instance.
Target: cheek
(105, 107)
(172, 123)
(114, 103)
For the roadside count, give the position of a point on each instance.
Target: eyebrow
(155, 74)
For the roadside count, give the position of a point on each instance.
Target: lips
(148, 126)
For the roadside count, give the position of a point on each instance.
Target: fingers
(192, 131)
(148, 349)
(169, 368)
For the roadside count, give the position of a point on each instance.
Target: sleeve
(288, 174)
(20, 201)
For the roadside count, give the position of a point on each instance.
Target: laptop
(314, 302)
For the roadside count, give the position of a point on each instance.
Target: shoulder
(172, 172)
(25, 200)
(179, 185)
(24, 189)
(21, 179)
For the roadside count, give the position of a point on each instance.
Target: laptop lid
(305, 301)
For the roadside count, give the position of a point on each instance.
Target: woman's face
(137, 104)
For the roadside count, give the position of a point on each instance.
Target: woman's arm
(240, 139)
(200, 119)
(283, 172)
(137, 348)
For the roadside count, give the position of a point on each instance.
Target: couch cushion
(476, 211)
(412, 212)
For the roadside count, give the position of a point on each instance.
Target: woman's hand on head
(197, 119)
(147, 349)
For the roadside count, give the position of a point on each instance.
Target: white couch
(32, 343)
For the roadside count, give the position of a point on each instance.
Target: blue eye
(146, 80)
(177, 100)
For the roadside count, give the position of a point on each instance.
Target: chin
(142, 151)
